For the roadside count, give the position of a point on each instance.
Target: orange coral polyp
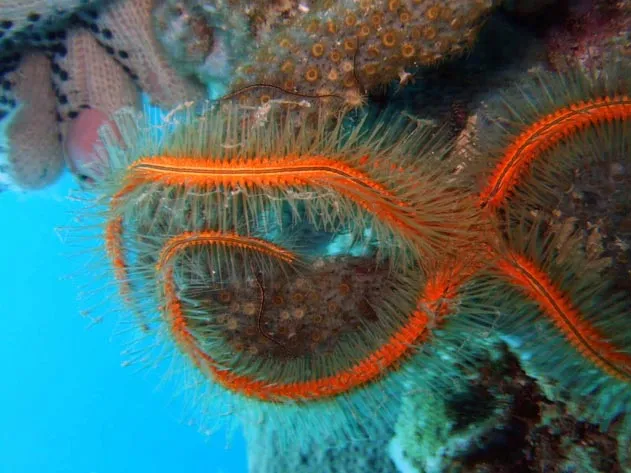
(556, 305)
(544, 135)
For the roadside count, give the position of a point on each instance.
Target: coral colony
(83, 60)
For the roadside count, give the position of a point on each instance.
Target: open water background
(66, 404)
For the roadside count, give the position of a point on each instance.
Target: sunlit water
(66, 403)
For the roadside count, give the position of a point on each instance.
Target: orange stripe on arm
(556, 305)
(544, 135)
(400, 345)
(280, 173)
(372, 367)
(114, 236)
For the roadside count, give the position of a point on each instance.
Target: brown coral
(354, 46)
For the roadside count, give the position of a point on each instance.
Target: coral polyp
(350, 47)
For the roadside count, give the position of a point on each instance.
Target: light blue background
(66, 404)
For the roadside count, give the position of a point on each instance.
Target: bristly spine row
(543, 277)
(546, 134)
(203, 222)
(216, 196)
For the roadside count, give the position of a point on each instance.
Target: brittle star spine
(556, 305)
(544, 135)
(376, 364)
(178, 243)
(315, 171)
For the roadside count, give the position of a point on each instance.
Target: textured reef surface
(396, 238)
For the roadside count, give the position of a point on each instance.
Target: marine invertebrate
(338, 49)
(321, 161)
(547, 283)
(219, 225)
(561, 124)
(563, 107)
(354, 46)
(543, 149)
(538, 287)
(208, 225)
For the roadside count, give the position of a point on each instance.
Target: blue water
(66, 403)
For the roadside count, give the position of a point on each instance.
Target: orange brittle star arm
(556, 305)
(372, 367)
(276, 172)
(544, 135)
(280, 173)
